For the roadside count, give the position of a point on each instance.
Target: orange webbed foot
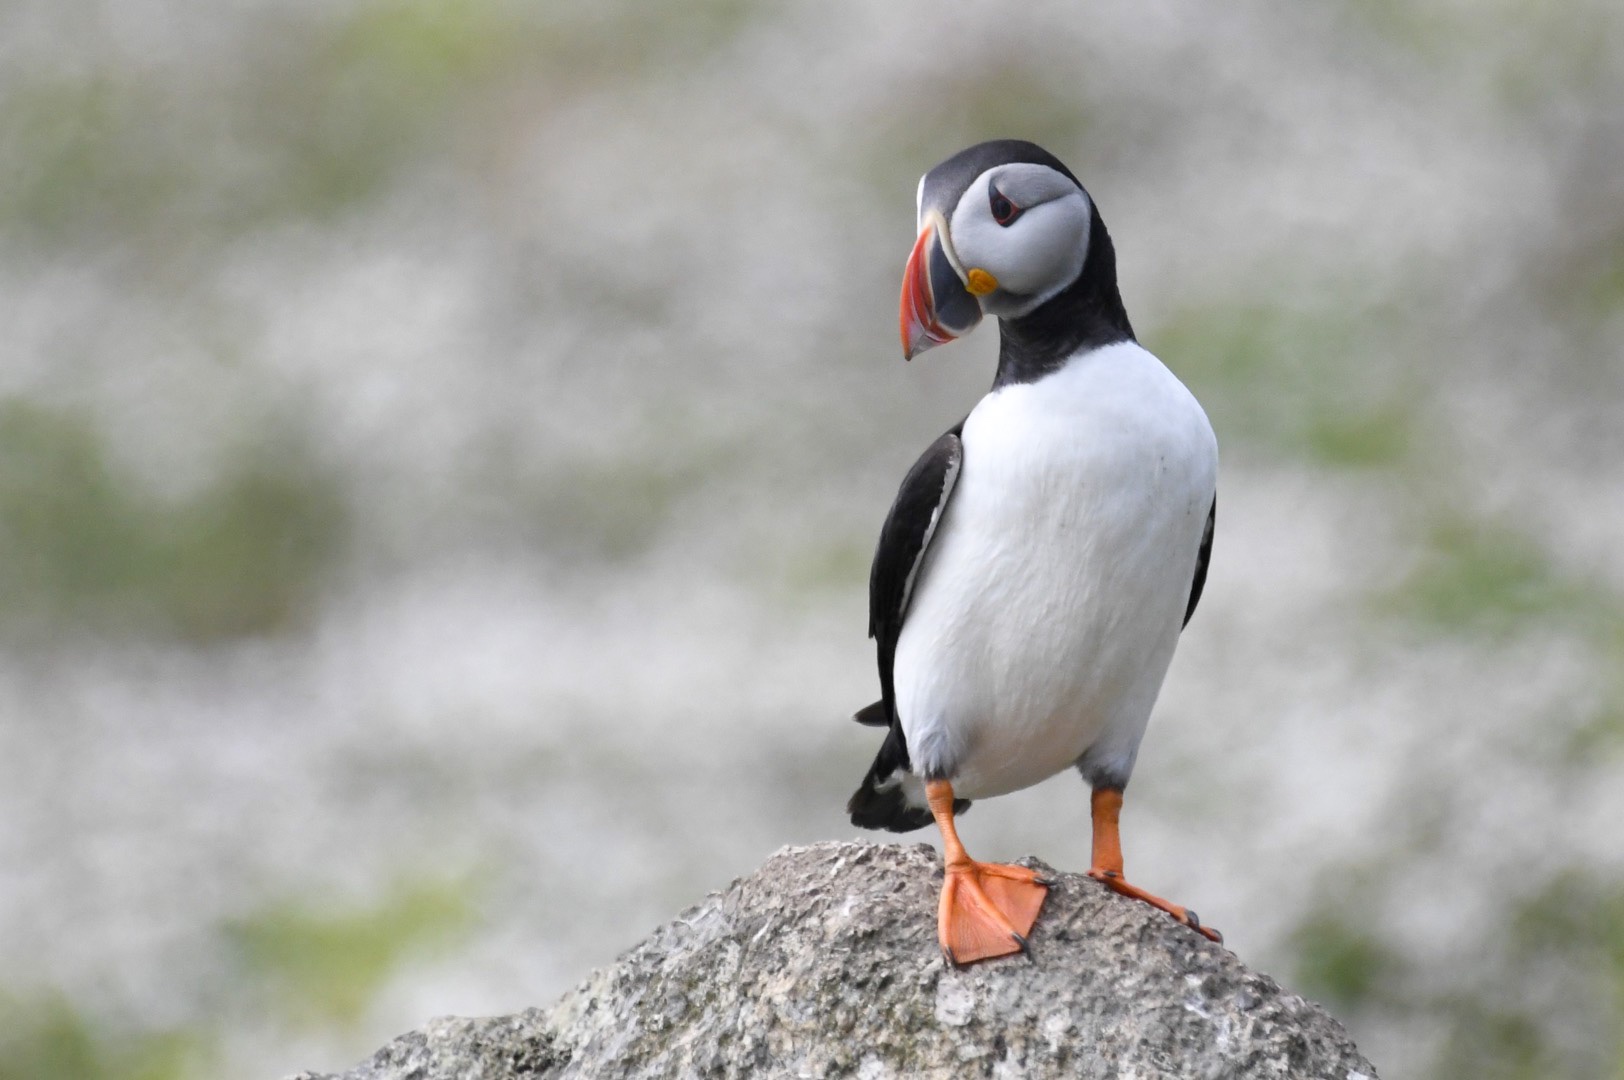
(1183, 915)
(987, 910)
(1106, 809)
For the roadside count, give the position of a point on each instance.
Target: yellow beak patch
(979, 282)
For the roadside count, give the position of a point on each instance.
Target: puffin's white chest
(1052, 596)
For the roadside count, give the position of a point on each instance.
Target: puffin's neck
(1087, 314)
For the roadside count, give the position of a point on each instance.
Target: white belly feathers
(1051, 598)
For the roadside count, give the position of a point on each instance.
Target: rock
(824, 963)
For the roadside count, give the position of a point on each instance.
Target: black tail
(875, 715)
(882, 800)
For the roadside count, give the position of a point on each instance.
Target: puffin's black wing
(1201, 560)
(880, 801)
(904, 539)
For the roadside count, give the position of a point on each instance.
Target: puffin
(1042, 558)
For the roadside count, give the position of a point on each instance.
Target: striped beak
(936, 306)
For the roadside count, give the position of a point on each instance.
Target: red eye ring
(1003, 211)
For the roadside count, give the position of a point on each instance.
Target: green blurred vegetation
(1599, 735)
(1001, 96)
(316, 124)
(612, 509)
(322, 967)
(49, 1040)
(1551, 1000)
(1486, 577)
(1300, 385)
(1544, 998)
(810, 572)
(82, 547)
(79, 158)
(300, 967)
(1341, 963)
(320, 120)
(1527, 51)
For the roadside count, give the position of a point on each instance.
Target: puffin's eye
(1003, 211)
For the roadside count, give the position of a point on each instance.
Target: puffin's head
(1003, 227)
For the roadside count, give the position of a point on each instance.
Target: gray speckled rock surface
(824, 963)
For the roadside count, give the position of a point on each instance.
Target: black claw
(947, 955)
(1021, 941)
(1193, 921)
(1046, 882)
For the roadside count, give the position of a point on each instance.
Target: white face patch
(1029, 185)
(1036, 255)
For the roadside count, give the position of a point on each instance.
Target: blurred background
(442, 441)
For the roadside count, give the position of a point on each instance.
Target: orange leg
(1106, 806)
(987, 909)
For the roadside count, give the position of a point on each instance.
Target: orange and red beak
(936, 306)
